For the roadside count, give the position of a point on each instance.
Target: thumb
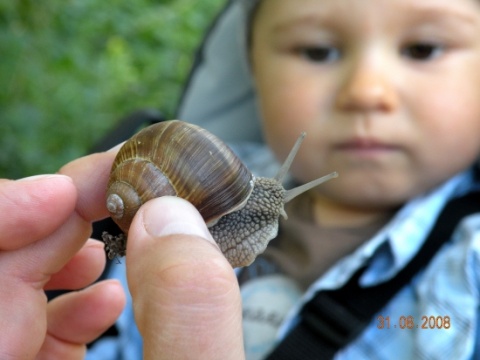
(185, 294)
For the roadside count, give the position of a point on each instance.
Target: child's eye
(320, 53)
(422, 51)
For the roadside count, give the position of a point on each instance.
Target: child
(388, 92)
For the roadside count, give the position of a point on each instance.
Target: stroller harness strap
(334, 318)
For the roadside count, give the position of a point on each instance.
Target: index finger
(90, 175)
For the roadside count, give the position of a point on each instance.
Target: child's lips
(366, 147)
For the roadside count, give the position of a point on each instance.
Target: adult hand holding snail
(172, 272)
(185, 294)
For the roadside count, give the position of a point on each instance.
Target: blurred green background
(70, 69)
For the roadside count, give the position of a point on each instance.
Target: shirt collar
(398, 241)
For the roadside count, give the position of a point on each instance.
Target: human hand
(185, 294)
(44, 228)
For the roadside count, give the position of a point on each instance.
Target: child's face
(388, 92)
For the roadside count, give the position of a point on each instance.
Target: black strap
(334, 318)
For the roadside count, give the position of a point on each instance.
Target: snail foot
(115, 245)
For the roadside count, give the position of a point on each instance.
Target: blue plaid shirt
(433, 317)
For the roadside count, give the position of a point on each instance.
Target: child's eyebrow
(458, 18)
(443, 13)
(308, 20)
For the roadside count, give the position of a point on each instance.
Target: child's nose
(368, 87)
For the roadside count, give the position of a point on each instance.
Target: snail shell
(179, 159)
(184, 160)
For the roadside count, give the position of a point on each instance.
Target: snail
(181, 159)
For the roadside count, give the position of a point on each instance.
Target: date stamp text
(409, 322)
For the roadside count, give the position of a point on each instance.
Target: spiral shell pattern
(181, 159)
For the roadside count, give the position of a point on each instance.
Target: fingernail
(116, 147)
(171, 215)
(45, 176)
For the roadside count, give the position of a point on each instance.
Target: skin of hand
(187, 304)
(43, 245)
(185, 294)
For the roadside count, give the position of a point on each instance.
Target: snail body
(181, 159)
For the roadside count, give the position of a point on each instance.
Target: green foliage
(70, 69)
